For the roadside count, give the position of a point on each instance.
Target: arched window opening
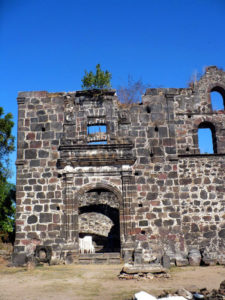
(207, 138)
(217, 98)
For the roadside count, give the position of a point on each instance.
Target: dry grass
(96, 282)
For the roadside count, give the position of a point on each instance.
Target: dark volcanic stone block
(40, 195)
(209, 234)
(45, 217)
(43, 118)
(170, 150)
(32, 219)
(165, 261)
(30, 154)
(36, 127)
(174, 215)
(33, 235)
(163, 132)
(19, 259)
(48, 135)
(143, 223)
(222, 233)
(38, 208)
(37, 188)
(152, 196)
(43, 154)
(168, 222)
(47, 175)
(158, 222)
(203, 194)
(35, 163)
(194, 227)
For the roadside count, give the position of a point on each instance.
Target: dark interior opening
(102, 244)
(148, 109)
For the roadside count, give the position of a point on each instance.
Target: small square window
(97, 134)
(93, 129)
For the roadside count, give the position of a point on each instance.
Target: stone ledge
(32, 94)
(202, 155)
(143, 268)
(96, 92)
(216, 112)
(103, 161)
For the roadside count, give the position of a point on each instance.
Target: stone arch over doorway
(100, 215)
(100, 185)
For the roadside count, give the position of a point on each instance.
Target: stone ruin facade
(131, 176)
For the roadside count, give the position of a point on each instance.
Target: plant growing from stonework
(99, 80)
(7, 190)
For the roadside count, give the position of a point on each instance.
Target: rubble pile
(199, 294)
(182, 294)
(143, 276)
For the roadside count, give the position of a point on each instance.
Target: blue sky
(47, 44)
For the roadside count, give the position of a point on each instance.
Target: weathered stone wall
(148, 169)
(202, 202)
(39, 189)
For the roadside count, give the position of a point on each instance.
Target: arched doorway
(99, 217)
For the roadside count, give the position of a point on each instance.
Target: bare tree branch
(132, 92)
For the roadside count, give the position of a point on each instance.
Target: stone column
(127, 243)
(71, 210)
(71, 246)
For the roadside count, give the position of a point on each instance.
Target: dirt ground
(92, 282)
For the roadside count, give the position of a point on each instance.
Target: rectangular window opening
(93, 129)
(97, 134)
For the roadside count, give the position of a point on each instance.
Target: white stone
(86, 245)
(68, 169)
(143, 296)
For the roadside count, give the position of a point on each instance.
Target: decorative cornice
(103, 161)
(85, 147)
